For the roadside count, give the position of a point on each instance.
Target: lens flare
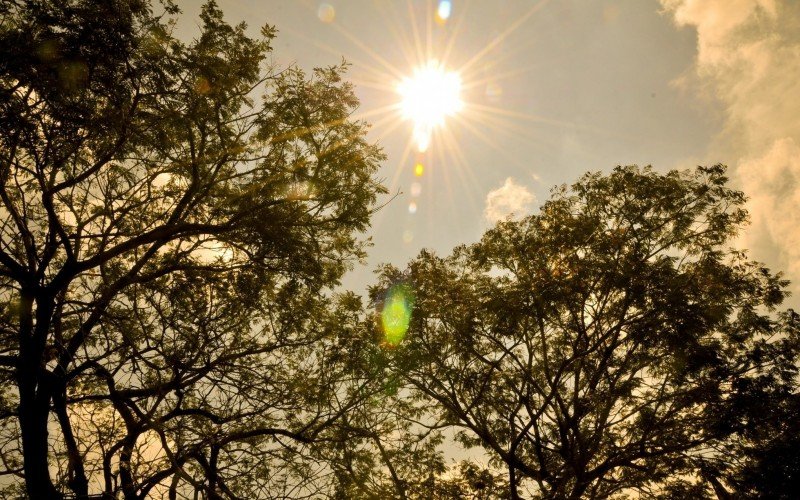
(443, 12)
(494, 92)
(396, 313)
(429, 96)
(326, 13)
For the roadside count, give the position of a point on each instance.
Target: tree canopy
(175, 219)
(172, 214)
(611, 344)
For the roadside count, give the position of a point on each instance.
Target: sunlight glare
(427, 98)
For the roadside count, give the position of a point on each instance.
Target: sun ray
(439, 154)
(491, 125)
(456, 166)
(403, 159)
(465, 174)
(502, 36)
(392, 188)
(406, 43)
(456, 29)
(486, 140)
(465, 122)
(375, 111)
(358, 82)
(384, 126)
(429, 25)
(473, 83)
(541, 119)
(476, 70)
(367, 50)
(512, 130)
(377, 73)
(415, 30)
(519, 115)
(346, 140)
(393, 124)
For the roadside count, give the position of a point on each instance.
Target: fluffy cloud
(510, 199)
(772, 181)
(748, 57)
(716, 21)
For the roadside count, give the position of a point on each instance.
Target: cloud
(510, 199)
(772, 181)
(716, 21)
(748, 58)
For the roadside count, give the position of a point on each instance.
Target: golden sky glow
(551, 90)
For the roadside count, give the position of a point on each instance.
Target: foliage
(608, 344)
(174, 219)
(470, 481)
(172, 216)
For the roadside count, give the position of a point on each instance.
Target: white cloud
(510, 199)
(748, 57)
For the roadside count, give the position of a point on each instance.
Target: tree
(172, 214)
(766, 444)
(470, 481)
(607, 344)
(381, 450)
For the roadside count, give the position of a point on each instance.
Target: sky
(553, 89)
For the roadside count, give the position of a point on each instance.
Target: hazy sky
(554, 89)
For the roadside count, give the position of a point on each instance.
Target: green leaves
(601, 337)
(174, 216)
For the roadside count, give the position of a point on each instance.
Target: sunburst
(429, 88)
(428, 97)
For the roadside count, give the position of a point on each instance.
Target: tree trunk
(34, 410)
(34, 397)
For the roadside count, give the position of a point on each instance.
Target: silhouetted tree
(172, 214)
(765, 447)
(381, 449)
(608, 344)
(469, 481)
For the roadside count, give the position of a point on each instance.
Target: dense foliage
(611, 344)
(175, 217)
(172, 214)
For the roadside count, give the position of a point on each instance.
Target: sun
(428, 97)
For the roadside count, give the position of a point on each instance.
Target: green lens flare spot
(396, 313)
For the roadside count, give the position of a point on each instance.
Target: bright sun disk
(429, 96)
